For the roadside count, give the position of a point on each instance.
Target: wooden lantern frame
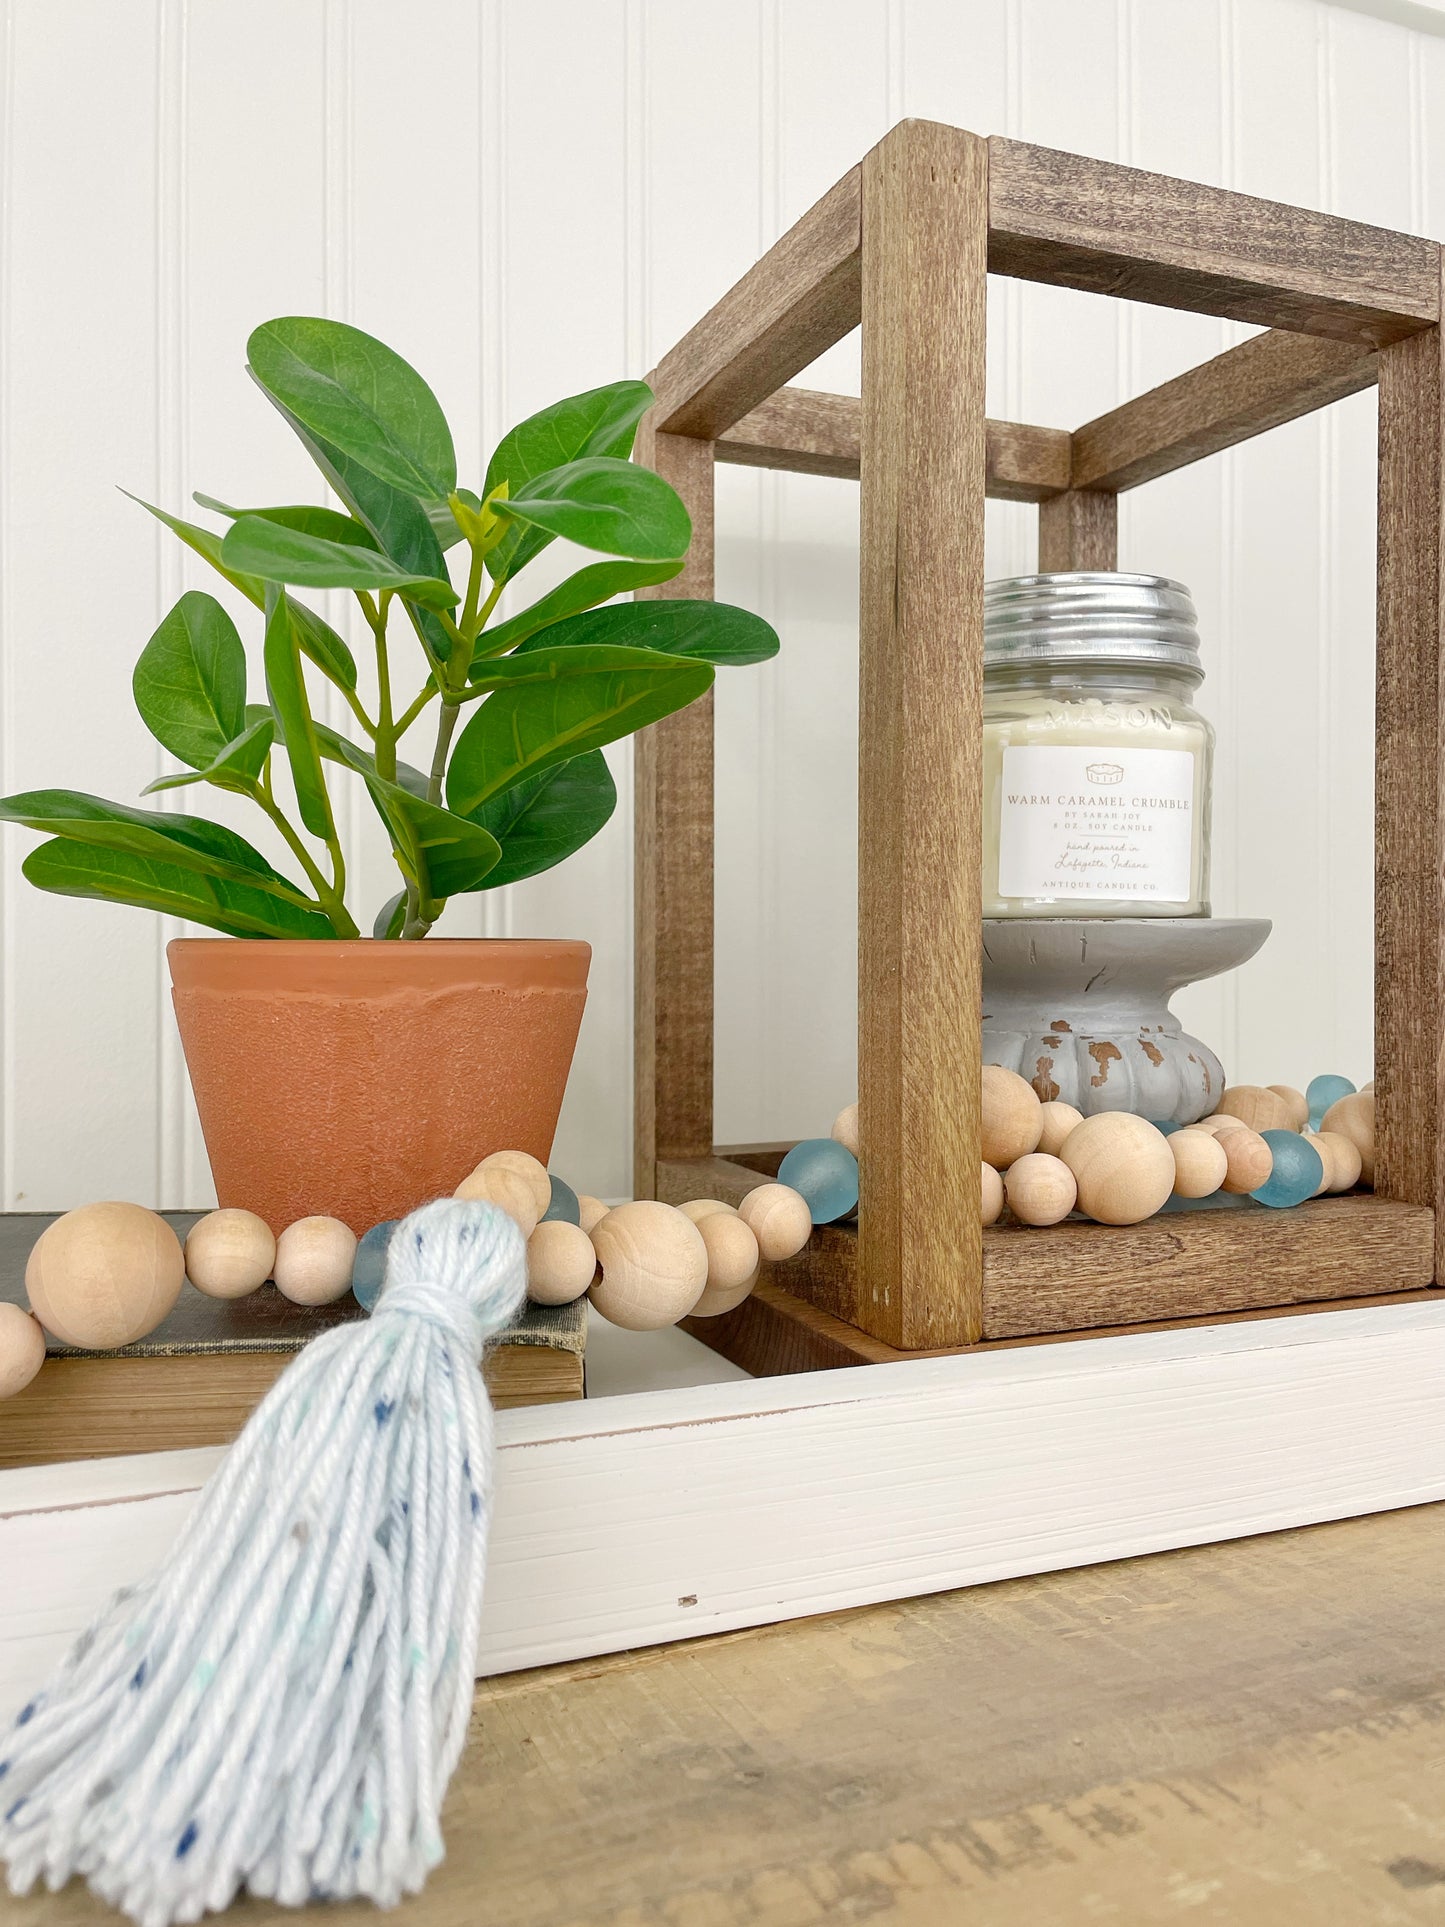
(902, 245)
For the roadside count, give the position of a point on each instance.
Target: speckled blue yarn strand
(280, 1708)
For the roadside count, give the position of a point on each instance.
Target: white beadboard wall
(529, 200)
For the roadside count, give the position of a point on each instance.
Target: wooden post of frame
(922, 457)
(1079, 530)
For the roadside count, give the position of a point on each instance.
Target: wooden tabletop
(1250, 1734)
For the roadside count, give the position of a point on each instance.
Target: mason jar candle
(1096, 764)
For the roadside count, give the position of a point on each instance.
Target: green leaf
(190, 681)
(236, 768)
(361, 397)
(278, 554)
(521, 731)
(447, 529)
(543, 665)
(443, 854)
(308, 517)
(287, 690)
(596, 583)
(604, 504)
(547, 817)
(602, 421)
(711, 631)
(341, 749)
(121, 876)
(189, 842)
(319, 640)
(391, 917)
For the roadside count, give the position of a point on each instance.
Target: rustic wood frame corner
(902, 245)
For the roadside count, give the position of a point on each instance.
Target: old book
(198, 1376)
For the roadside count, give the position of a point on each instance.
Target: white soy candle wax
(1096, 765)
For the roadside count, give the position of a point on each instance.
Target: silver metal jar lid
(1091, 616)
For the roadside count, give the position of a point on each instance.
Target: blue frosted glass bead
(1324, 1091)
(564, 1205)
(368, 1268)
(1168, 1127)
(826, 1174)
(1298, 1170)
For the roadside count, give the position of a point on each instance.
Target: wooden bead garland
(732, 1263)
(1123, 1166)
(1057, 1120)
(779, 1219)
(992, 1195)
(845, 1128)
(229, 1253)
(533, 1173)
(314, 1258)
(654, 1265)
(22, 1348)
(591, 1211)
(1010, 1117)
(1248, 1160)
(1040, 1189)
(561, 1263)
(104, 1275)
(1259, 1107)
(1354, 1118)
(1200, 1164)
(511, 1191)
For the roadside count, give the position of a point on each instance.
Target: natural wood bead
(532, 1170)
(1200, 1163)
(992, 1195)
(561, 1263)
(654, 1265)
(699, 1208)
(1057, 1120)
(732, 1263)
(1040, 1188)
(779, 1218)
(22, 1348)
(1354, 1118)
(1299, 1106)
(1010, 1118)
(508, 1190)
(1123, 1166)
(1341, 1158)
(845, 1128)
(229, 1253)
(1257, 1108)
(1248, 1159)
(104, 1275)
(314, 1258)
(1219, 1123)
(590, 1211)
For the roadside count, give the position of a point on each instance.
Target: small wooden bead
(779, 1218)
(508, 1190)
(992, 1195)
(1298, 1103)
(314, 1257)
(699, 1208)
(654, 1266)
(561, 1262)
(1354, 1118)
(1010, 1119)
(1200, 1163)
(1123, 1166)
(590, 1211)
(1367, 1090)
(1257, 1108)
(22, 1348)
(732, 1263)
(1248, 1159)
(532, 1170)
(1041, 1189)
(104, 1275)
(1342, 1161)
(1326, 1157)
(845, 1128)
(1219, 1123)
(1057, 1120)
(229, 1253)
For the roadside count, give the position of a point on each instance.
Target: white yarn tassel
(282, 1705)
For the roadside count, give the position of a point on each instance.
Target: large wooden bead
(1057, 1119)
(1123, 1167)
(105, 1275)
(732, 1263)
(1248, 1161)
(590, 1211)
(1011, 1117)
(1200, 1163)
(1257, 1107)
(229, 1253)
(532, 1171)
(992, 1199)
(1342, 1161)
(845, 1128)
(22, 1348)
(779, 1219)
(508, 1190)
(561, 1262)
(1040, 1189)
(1296, 1101)
(654, 1266)
(314, 1258)
(1354, 1118)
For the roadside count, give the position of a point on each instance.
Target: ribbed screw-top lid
(1091, 616)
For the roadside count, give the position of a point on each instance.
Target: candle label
(1094, 822)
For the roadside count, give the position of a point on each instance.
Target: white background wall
(529, 199)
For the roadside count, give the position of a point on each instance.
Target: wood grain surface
(1091, 224)
(1079, 530)
(920, 732)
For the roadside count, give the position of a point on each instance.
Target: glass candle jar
(1096, 765)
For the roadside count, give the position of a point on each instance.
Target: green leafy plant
(523, 707)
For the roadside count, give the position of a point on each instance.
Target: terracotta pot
(360, 1079)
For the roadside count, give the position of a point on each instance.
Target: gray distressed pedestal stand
(1080, 1007)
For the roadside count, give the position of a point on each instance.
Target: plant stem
(328, 898)
(446, 723)
(354, 705)
(386, 731)
(409, 716)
